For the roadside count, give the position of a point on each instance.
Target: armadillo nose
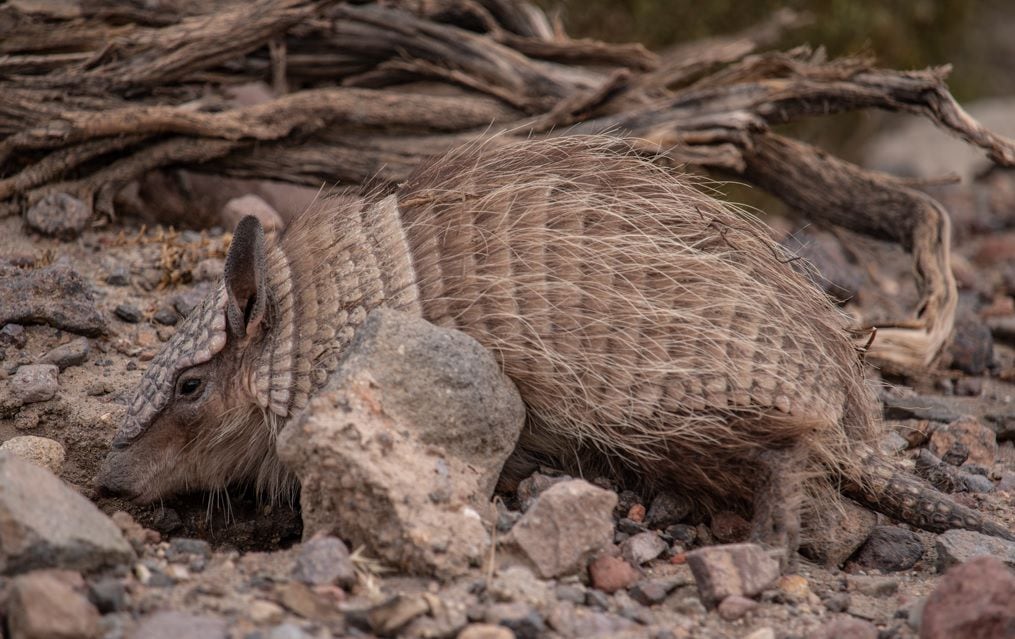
(114, 476)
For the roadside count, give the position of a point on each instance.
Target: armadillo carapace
(650, 329)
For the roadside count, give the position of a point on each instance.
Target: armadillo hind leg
(778, 498)
(902, 496)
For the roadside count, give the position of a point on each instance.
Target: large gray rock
(401, 451)
(44, 523)
(56, 295)
(958, 546)
(565, 526)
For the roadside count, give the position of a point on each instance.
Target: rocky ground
(81, 316)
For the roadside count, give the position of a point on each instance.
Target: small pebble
(611, 574)
(167, 316)
(520, 618)
(848, 628)
(683, 534)
(166, 520)
(572, 593)
(181, 549)
(734, 607)
(35, 383)
(667, 509)
(597, 599)
(630, 526)
(261, 612)
(13, 335)
(119, 276)
(729, 527)
(324, 560)
(128, 313)
(108, 595)
(838, 602)
(649, 592)
(643, 548)
(485, 631)
(636, 513)
(795, 586)
(873, 586)
(73, 353)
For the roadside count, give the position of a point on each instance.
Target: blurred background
(977, 37)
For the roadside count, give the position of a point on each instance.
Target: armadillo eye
(190, 386)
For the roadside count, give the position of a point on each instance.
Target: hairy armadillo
(648, 327)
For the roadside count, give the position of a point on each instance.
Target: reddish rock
(970, 434)
(636, 513)
(611, 574)
(975, 600)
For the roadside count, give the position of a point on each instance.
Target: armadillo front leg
(777, 501)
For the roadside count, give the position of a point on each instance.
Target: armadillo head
(188, 424)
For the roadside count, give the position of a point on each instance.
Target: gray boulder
(44, 523)
(401, 451)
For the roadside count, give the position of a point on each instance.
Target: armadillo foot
(776, 520)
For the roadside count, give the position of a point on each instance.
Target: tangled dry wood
(97, 93)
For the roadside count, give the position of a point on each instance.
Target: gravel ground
(83, 317)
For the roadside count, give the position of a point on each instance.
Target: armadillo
(650, 328)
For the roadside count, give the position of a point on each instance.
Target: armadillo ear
(245, 274)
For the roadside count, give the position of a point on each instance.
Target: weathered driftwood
(95, 97)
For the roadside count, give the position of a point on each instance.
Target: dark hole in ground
(243, 522)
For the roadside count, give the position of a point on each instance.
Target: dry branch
(366, 91)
